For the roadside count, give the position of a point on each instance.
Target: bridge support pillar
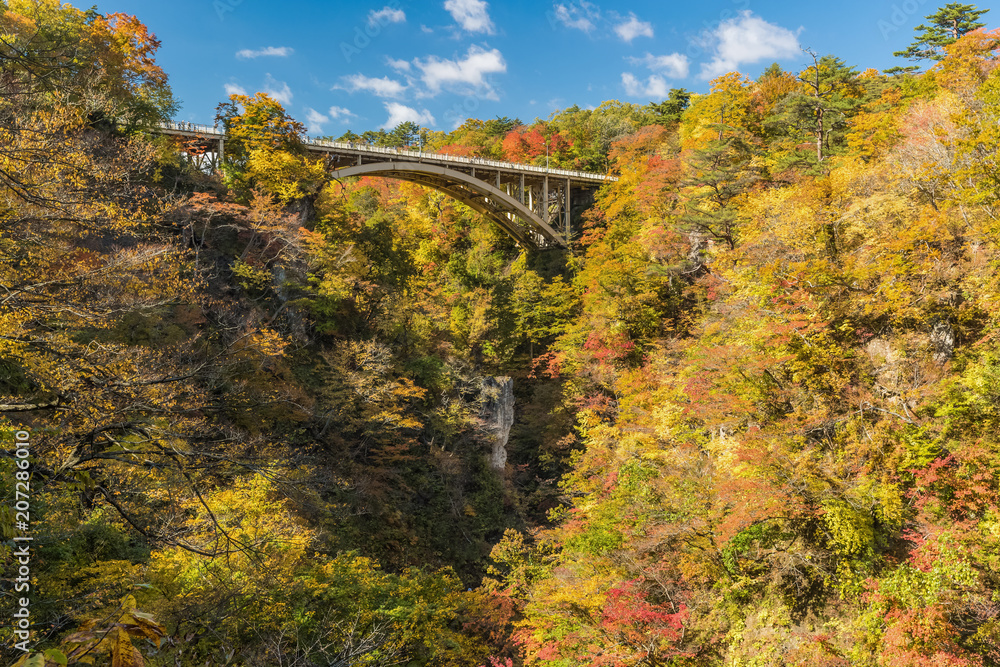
(522, 188)
(545, 199)
(569, 207)
(222, 152)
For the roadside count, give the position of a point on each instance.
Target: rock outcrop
(498, 416)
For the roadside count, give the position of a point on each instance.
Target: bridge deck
(345, 149)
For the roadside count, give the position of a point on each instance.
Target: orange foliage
(969, 61)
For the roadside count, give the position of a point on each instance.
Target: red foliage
(515, 147)
(646, 142)
(965, 483)
(601, 404)
(524, 145)
(923, 638)
(638, 629)
(924, 551)
(498, 662)
(492, 621)
(458, 149)
(662, 175)
(608, 348)
(654, 177)
(548, 365)
(385, 187)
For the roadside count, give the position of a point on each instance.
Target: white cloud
(315, 120)
(472, 15)
(633, 27)
(235, 89)
(384, 87)
(400, 113)
(655, 87)
(340, 113)
(580, 16)
(675, 65)
(279, 90)
(385, 16)
(399, 65)
(277, 51)
(467, 74)
(747, 39)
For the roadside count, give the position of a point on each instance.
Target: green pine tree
(717, 174)
(830, 95)
(947, 25)
(668, 112)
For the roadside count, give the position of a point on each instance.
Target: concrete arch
(473, 192)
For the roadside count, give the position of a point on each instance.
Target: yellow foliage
(728, 104)
(851, 529)
(286, 176)
(248, 534)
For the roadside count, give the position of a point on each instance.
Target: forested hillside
(757, 403)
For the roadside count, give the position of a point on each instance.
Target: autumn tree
(101, 344)
(535, 145)
(594, 131)
(725, 109)
(767, 93)
(103, 65)
(264, 150)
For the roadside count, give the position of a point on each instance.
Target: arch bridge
(534, 205)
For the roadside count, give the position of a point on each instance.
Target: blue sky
(363, 65)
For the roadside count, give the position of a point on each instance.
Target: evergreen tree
(404, 134)
(718, 174)
(947, 25)
(668, 112)
(379, 138)
(500, 127)
(829, 96)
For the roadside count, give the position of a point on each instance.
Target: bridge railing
(180, 126)
(473, 161)
(191, 127)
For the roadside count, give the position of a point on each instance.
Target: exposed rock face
(498, 416)
(279, 278)
(696, 250)
(943, 341)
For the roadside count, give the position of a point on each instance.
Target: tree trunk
(819, 134)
